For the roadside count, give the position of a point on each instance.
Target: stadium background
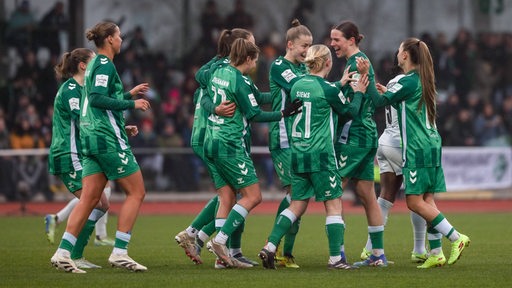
(166, 41)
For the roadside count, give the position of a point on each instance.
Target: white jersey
(391, 135)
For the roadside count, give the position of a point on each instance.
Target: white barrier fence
(465, 168)
(474, 168)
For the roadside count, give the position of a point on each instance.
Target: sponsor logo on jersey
(279, 62)
(101, 80)
(342, 97)
(74, 104)
(103, 61)
(395, 88)
(254, 103)
(288, 75)
(71, 86)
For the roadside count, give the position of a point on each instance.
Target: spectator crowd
(473, 74)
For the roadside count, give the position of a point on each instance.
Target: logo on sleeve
(101, 80)
(103, 61)
(395, 88)
(342, 97)
(288, 75)
(254, 103)
(74, 104)
(71, 86)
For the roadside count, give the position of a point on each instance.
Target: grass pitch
(25, 256)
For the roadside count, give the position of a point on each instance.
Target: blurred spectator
(137, 43)
(448, 113)
(263, 161)
(178, 167)
(150, 163)
(303, 12)
(506, 114)
(25, 137)
(486, 79)
(462, 130)
(239, 18)
(53, 27)
(464, 56)
(446, 69)
(211, 25)
(20, 28)
(6, 163)
(489, 128)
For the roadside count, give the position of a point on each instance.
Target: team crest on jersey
(101, 80)
(103, 61)
(395, 88)
(288, 75)
(74, 104)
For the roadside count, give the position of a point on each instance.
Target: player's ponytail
(241, 50)
(420, 56)
(68, 64)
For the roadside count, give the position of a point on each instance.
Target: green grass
(25, 256)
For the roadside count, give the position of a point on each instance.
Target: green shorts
(217, 179)
(210, 166)
(72, 180)
(115, 165)
(418, 181)
(356, 162)
(237, 171)
(282, 164)
(324, 185)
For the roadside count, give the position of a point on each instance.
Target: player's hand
(362, 84)
(293, 108)
(140, 89)
(381, 88)
(131, 130)
(226, 109)
(363, 65)
(347, 76)
(142, 104)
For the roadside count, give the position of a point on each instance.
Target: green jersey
(283, 74)
(361, 130)
(313, 131)
(64, 154)
(420, 139)
(227, 136)
(203, 76)
(102, 124)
